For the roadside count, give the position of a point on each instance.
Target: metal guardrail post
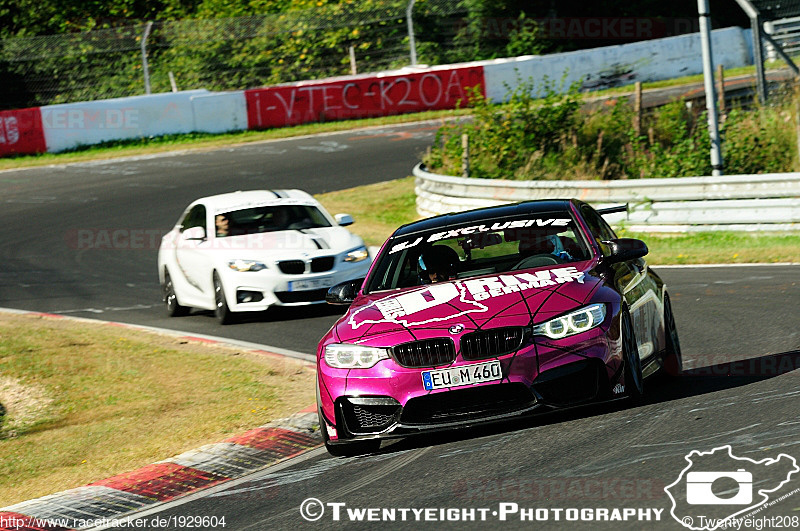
(708, 78)
(758, 59)
(412, 44)
(145, 68)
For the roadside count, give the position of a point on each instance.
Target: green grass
(380, 208)
(88, 401)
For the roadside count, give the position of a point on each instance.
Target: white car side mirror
(194, 233)
(344, 219)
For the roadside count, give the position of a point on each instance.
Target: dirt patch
(21, 406)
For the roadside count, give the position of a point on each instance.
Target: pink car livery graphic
(489, 314)
(434, 303)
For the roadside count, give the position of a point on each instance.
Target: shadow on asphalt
(660, 389)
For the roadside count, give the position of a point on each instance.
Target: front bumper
(389, 400)
(258, 290)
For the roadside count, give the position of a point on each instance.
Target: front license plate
(460, 376)
(313, 283)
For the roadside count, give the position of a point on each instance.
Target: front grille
(323, 263)
(467, 404)
(372, 419)
(425, 353)
(312, 295)
(490, 343)
(292, 267)
(368, 415)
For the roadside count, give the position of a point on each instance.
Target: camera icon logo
(698, 488)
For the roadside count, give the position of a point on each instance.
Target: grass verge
(380, 208)
(87, 401)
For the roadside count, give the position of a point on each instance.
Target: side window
(196, 217)
(600, 229)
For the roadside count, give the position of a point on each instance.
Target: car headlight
(343, 356)
(246, 265)
(572, 323)
(357, 255)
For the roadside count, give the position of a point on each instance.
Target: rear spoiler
(613, 210)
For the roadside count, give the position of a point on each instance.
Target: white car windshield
(269, 219)
(479, 248)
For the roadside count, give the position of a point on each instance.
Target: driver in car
(437, 264)
(544, 244)
(222, 224)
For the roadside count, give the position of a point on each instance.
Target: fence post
(353, 68)
(465, 155)
(411, 42)
(637, 108)
(721, 80)
(145, 68)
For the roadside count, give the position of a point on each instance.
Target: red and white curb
(166, 480)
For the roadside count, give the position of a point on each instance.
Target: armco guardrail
(737, 202)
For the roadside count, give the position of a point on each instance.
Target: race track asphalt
(738, 329)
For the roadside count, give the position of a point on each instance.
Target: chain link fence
(227, 54)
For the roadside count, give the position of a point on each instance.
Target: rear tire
(221, 310)
(634, 381)
(673, 360)
(174, 309)
(346, 449)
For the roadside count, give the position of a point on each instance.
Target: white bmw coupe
(246, 251)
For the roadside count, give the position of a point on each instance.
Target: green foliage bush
(557, 137)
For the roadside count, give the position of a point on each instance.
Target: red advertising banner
(21, 132)
(361, 97)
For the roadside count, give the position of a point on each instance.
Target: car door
(192, 251)
(637, 287)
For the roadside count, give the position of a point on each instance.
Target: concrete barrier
(219, 112)
(69, 125)
(737, 202)
(21, 132)
(364, 96)
(612, 66)
(66, 126)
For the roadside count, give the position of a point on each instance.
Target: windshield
(474, 249)
(269, 219)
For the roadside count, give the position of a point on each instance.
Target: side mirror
(344, 219)
(624, 249)
(194, 233)
(344, 293)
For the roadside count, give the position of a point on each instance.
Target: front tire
(634, 381)
(221, 310)
(174, 308)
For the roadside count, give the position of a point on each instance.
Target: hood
(287, 243)
(516, 298)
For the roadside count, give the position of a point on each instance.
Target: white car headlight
(246, 265)
(343, 356)
(357, 255)
(572, 323)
